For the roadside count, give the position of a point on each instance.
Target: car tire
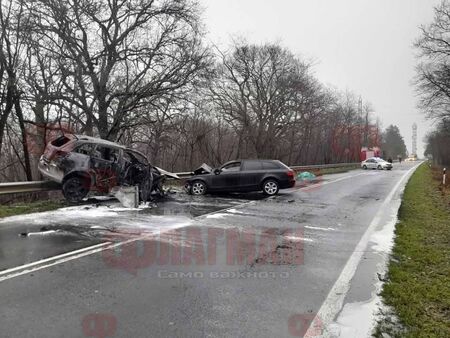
(380, 167)
(198, 188)
(364, 167)
(270, 187)
(75, 188)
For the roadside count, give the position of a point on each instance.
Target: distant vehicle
(83, 163)
(376, 163)
(268, 176)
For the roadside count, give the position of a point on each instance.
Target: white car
(376, 163)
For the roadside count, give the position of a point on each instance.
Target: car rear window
(60, 141)
(252, 165)
(270, 165)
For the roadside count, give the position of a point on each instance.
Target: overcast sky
(361, 45)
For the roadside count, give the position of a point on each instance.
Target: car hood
(203, 169)
(167, 173)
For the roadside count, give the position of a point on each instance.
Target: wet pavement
(28, 238)
(202, 282)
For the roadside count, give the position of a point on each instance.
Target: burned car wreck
(83, 164)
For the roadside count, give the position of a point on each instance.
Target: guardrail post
(444, 176)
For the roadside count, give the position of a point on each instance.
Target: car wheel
(380, 167)
(270, 187)
(198, 188)
(75, 189)
(364, 167)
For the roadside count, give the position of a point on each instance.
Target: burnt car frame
(83, 164)
(268, 176)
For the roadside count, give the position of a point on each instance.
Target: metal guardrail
(35, 186)
(23, 187)
(325, 166)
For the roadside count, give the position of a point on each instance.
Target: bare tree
(12, 47)
(433, 80)
(115, 56)
(437, 144)
(136, 71)
(256, 89)
(433, 71)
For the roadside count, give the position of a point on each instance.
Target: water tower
(414, 140)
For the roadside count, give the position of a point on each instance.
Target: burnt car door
(228, 178)
(136, 170)
(251, 174)
(105, 167)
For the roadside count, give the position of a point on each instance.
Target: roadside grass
(418, 286)
(27, 208)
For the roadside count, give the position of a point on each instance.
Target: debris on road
(128, 196)
(306, 176)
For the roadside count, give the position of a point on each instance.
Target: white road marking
(319, 228)
(322, 183)
(335, 298)
(42, 261)
(59, 259)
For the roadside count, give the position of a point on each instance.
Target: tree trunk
(8, 108)
(26, 153)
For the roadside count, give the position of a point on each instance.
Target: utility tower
(414, 140)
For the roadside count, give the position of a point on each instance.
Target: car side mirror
(217, 171)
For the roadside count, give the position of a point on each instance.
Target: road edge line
(334, 301)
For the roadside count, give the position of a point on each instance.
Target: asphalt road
(214, 266)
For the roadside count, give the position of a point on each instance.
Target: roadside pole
(444, 177)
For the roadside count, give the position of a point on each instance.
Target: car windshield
(136, 156)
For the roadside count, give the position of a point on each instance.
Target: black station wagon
(268, 176)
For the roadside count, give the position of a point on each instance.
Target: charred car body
(242, 176)
(82, 164)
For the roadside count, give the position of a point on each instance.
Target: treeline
(139, 72)
(433, 82)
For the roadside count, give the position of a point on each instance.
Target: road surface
(214, 266)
